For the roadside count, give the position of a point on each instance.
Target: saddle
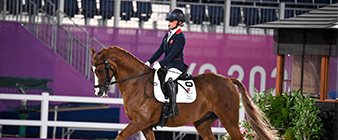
(161, 76)
(186, 92)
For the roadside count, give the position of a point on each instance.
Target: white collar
(172, 32)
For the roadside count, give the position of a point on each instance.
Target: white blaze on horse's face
(96, 81)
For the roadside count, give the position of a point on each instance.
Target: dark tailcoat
(173, 50)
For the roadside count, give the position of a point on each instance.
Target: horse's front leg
(148, 133)
(134, 126)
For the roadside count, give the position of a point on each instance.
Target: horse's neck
(128, 68)
(133, 88)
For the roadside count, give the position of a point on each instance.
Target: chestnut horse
(217, 98)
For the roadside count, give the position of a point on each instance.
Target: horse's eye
(100, 71)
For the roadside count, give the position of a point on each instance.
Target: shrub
(291, 111)
(305, 122)
(293, 114)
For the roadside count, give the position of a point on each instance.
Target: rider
(172, 46)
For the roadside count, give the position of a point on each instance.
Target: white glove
(157, 65)
(147, 63)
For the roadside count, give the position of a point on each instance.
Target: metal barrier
(44, 123)
(71, 42)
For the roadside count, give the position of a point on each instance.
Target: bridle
(109, 67)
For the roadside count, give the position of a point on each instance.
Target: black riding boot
(172, 91)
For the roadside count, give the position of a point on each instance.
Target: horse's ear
(92, 50)
(103, 54)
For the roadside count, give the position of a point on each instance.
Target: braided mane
(123, 51)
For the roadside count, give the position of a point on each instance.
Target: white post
(141, 24)
(187, 12)
(60, 13)
(55, 119)
(44, 115)
(173, 4)
(281, 10)
(226, 19)
(4, 10)
(117, 10)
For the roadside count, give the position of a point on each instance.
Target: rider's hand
(147, 63)
(157, 65)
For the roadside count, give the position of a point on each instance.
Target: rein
(107, 82)
(114, 82)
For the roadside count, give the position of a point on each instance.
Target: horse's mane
(123, 51)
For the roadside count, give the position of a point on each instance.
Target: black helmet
(176, 14)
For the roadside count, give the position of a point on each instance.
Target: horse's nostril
(100, 94)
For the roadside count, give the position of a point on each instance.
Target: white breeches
(173, 73)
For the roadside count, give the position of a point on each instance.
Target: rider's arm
(157, 54)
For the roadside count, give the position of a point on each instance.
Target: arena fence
(44, 123)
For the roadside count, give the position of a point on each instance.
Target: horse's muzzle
(102, 91)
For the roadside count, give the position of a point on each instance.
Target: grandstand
(220, 16)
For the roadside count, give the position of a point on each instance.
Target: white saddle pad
(182, 95)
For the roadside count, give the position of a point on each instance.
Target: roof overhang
(323, 18)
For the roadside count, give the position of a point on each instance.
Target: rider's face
(172, 24)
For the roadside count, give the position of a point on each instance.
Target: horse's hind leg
(229, 119)
(233, 130)
(148, 133)
(203, 127)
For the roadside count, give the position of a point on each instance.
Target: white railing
(44, 123)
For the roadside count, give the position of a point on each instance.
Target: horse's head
(103, 72)
(115, 61)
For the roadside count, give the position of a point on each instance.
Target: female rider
(172, 46)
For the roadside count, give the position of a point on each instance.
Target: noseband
(109, 67)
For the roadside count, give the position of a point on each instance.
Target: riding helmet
(176, 14)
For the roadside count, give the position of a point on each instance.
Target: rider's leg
(172, 88)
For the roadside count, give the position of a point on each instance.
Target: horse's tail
(256, 117)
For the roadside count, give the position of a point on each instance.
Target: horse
(217, 98)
